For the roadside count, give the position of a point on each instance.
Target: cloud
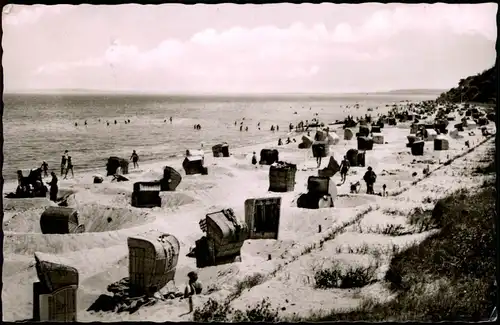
(294, 56)
(23, 14)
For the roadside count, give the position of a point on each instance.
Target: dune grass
(447, 277)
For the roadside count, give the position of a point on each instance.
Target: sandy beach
(101, 254)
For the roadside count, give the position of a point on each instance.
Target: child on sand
(135, 159)
(254, 159)
(193, 287)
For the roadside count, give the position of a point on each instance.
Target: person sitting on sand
(344, 168)
(370, 179)
(69, 166)
(254, 159)
(53, 187)
(246, 128)
(280, 143)
(45, 168)
(135, 159)
(288, 141)
(272, 128)
(193, 287)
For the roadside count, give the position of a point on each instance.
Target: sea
(39, 127)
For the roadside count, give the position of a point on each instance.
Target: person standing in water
(69, 166)
(45, 168)
(53, 187)
(135, 159)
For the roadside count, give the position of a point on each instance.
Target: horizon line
(77, 91)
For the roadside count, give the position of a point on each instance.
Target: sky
(227, 48)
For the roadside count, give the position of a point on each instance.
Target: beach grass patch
(247, 282)
(336, 277)
(214, 311)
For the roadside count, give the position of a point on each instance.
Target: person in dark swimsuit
(53, 187)
(370, 178)
(135, 159)
(45, 168)
(69, 166)
(254, 159)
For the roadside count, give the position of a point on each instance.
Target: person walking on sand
(370, 178)
(135, 159)
(69, 166)
(64, 159)
(45, 168)
(344, 168)
(53, 187)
